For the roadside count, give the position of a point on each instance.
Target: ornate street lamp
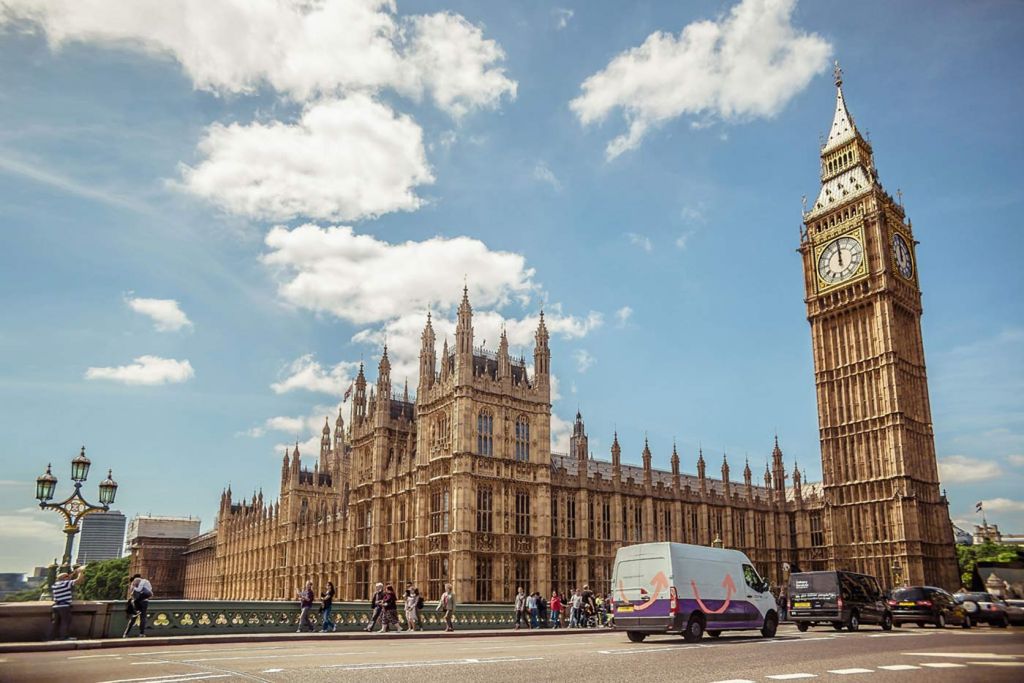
(74, 507)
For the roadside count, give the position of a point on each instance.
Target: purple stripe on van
(736, 613)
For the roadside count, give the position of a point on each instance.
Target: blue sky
(208, 223)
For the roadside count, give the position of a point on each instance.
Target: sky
(211, 213)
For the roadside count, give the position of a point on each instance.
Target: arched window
(522, 439)
(485, 433)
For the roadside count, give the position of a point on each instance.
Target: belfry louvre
(459, 485)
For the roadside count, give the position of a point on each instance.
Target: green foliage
(25, 595)
(107, 580)
(970, 555)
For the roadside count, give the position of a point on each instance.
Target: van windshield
(823, 585)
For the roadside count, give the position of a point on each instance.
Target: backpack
(419, 603)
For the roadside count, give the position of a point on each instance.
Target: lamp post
(897, 573)
(74, 507)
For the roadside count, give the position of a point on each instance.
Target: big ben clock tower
(884, 512)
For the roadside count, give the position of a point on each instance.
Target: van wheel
(770, 626)
(887, 622)
(694, 629)
(920, 624)
(940, 621)
(1004, 623)
(635, 636)
(714, 633)
(967, 622)
(802, 626)
(854, 623)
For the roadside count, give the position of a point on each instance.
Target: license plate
(801, 605)
(624, 608)
(908, 604)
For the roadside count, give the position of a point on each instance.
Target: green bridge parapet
(29, 621)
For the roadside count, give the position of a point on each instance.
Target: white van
(689, 589)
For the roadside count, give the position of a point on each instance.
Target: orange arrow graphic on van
(658, 584)
(730, 589)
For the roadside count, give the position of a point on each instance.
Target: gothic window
(303, 510)
(760, 532)
(792, 532)
(570, 516)
(362, 581)
(522, 513)
(638, 523)
(741, 530)
(555, 530)
(437, 568)
(522, 439)
(625, 521)
(817, 531)
(485, 433)
(483, 579)
(440, 511)
(606, 521)
(403, 521)
(666, 525)
(694, 526)
(484, 509)
(590, 519)
(388, 518)
(522, 575)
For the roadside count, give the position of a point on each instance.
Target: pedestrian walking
(60, 612)
(575, 604)
(521, 609)
(556, 610)
(389, 609)
(327, 603)
(375, 606)
(140, 591)
(305, 604)
(531, 606)
(447, 606)
(412, 607)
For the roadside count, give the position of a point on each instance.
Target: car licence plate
(908, 604)
(624, 608)
(801, 605)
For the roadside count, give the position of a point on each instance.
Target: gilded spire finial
(837, 74)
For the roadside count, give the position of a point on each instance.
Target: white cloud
(145, 370)
(1016, 460)
(961, 468)
(166, 313)
(561, 431)
(623, 315)
(562, 17)
(542, 173)
(306, 373)
(300, 49)
(1003, 505)
(363, 279)
(344, 160)
(641, 241)
(749, 63)
(584, 360)
(19, 527)
(683, 239)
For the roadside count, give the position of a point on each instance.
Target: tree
(106, 580)
(24, 595)
(970, 555)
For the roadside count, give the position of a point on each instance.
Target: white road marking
(899, 667)
(280, 656)
(155, 678)
(735, 680)
(961, 655)
(642, 650)
(790, 677)
(944, 665)
(197, 652)
(93, 656)
(272, 671)
(998, 663)
(180, 679)
(845, 672)
(438, 662)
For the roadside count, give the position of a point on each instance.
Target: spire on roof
(843, 128)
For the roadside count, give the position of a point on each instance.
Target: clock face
(840, 260)
(901, 252)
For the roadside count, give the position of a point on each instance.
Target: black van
(838, 598)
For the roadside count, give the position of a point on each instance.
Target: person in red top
(556, 609)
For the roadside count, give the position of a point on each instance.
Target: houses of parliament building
(459, 485)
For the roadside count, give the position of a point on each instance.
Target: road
(909, 654)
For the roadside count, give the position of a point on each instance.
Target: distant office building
(962, 537)
(102, 537)
(156, 545)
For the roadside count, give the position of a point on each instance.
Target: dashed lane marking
(437, 662)
(998, 663)
(93, 656)
(944, 665)
(847, 672)
(157, 678)
(272, 671)
(278, 656)
(790, 677)
(735, 680)
(899, 667)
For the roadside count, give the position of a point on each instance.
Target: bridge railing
(26, 622)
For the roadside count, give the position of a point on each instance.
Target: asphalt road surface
(909, 654)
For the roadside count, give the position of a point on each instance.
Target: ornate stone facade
(459, 484)
(884, 511)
